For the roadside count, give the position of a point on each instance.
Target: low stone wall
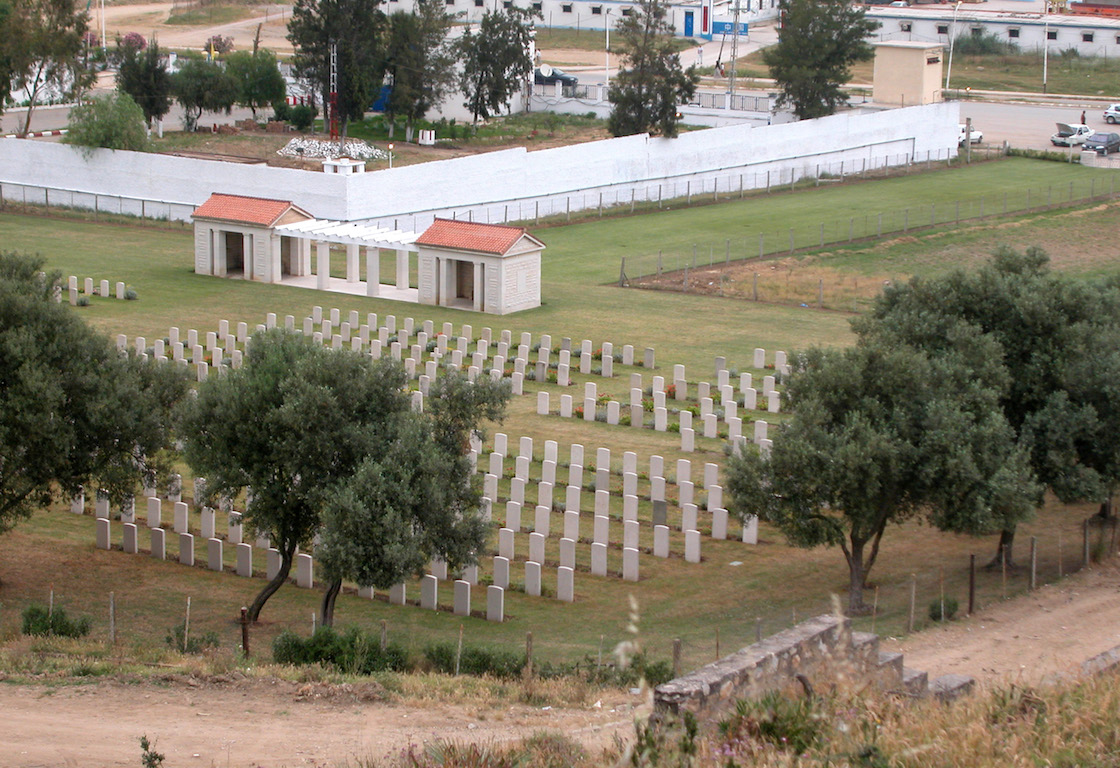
(810, 647)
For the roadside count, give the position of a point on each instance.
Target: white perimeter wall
(497, 186)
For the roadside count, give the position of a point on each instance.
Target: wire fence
(757, 272)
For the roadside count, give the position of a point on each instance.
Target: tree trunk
(270, 588)
(392, 126)
(329, 597)
(857, 575)
(1003, 551)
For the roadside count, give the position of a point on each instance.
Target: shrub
(281, 111)
(130, 295)
(196, 643)
(986, 44)
(788, 724)
(302, 116)
(951, 606)
(83, 301)
(37, 620)
(351, 651)
(474, 660)
(219, 44)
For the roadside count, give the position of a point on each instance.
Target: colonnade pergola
(464, 265)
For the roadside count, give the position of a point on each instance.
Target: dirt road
(1049, 632)
(265, 724)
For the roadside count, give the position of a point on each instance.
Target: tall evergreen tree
(355, 29)
(419, 61)
(495, 60)
(143, 75)
(652, 85)
(818, 42)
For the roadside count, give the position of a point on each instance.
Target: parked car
(900, 4)
(1102, 143)
(1112, 114)
(547, 75)
(976, 135)
(1070, 134)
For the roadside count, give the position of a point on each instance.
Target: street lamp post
(390, 155)
(1046, 54)
(952, 40)
(607, 27)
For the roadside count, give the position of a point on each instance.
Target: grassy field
(715, 603)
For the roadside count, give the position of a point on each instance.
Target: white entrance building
(482, 267)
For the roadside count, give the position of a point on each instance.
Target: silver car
(1112, 114)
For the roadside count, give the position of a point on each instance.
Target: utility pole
(734, 55)
(334, 94)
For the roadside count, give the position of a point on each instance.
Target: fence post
(244, 631)
(529, 654)
(1034, 564)
(676, 657)
(537, 215)
(1085, 543)
(913, 599)
(971, 584)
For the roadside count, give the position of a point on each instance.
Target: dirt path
(262, 724)
(1049, 632)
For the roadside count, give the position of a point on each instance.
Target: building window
(977, 31)
(596, 10)
(538, 7)
(1086, 37)
(942, 29)
(507, 4)
(905, 26)
(566, 8)
(1052, 34)
(627, 11)
(1013, 33)
(449, 2)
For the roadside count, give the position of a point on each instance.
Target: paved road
(1029, 126)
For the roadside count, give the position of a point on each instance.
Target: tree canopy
(415, 501)
(882, 434)
(1055, 339)
(818, 42)
(651, 86)
(419, 61)
(356, 29)
(41, 47)
(495, 60)
(327, 436)
(73, 409)
(259, 82)
(201, 86)
(143, 75)
(110, 121)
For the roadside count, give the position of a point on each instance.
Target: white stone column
(323, 265)
(402, 269)
(276, 258)
(247, 255)
(220, 253)
(373, 271)
(352, 263)
(304, 256)
(479, 286)
(441, 281)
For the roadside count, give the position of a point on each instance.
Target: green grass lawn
(726, 593)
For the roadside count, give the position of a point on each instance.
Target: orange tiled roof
(468, 236)
(245, 210)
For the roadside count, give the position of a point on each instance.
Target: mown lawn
(734, 586)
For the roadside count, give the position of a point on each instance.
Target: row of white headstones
(225, 341)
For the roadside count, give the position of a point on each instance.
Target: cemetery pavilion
(463, 265)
